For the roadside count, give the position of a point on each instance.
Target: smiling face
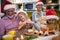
(51, 21)
(10, 12)
(39, 7)
(22, 16)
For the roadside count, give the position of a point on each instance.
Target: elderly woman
(10, 21)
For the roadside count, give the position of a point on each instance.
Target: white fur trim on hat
(22, 11)
(9, 6)
(51, 16)
(39, 3)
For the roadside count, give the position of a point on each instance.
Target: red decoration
(39, 0)
(51, 12)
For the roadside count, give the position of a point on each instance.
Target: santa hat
(51, 14)
(39, 2)
(23, 12)
(3, 4)
(8, 6)
(1, 14)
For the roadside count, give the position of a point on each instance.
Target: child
(24, 21)
(52, 17)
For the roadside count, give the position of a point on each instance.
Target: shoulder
(44, 13)
(4, 18)
(1, 20)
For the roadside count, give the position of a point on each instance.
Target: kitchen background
(29, 5)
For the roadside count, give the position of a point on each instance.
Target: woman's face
(22, 16)
(10, 12)
(51, 21)
(39, 7)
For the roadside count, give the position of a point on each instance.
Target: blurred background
(29, 5)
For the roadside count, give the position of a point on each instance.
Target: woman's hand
(26, 24)
(22, 24)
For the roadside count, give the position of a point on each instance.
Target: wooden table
(46, 37)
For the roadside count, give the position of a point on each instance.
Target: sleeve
(44, 13)
(37, 26)
(2, 31)
(33, 16)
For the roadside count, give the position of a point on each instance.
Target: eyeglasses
(39, 5)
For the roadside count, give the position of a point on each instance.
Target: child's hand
(29, 23)
(42, 20)
(44, 27)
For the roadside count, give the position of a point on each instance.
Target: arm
(37, 26)
(33, 16)
(2, 29)
(44, 14)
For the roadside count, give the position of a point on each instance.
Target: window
(28, 6)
